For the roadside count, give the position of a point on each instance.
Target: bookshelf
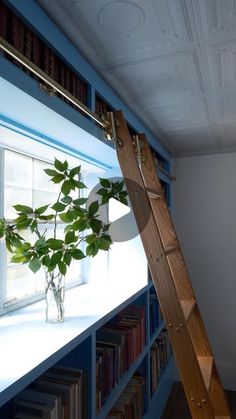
(74, 345)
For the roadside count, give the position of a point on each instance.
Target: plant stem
(55, 218)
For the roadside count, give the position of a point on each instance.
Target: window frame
(8, 306)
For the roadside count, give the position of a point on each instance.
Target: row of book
(130, 405)
(160, 355)
(155, 313)
(60, 393)
(118, 345)
(27, 42)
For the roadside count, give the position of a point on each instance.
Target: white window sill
(27, 341)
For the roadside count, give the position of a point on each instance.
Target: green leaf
(59, 207)
(80, 225)
(55, 244)
(106, 227)
(22, 217)
(46, 217)
(59, 165)
(105, 199)
(65, 165)
(67, 199)
(66, 187)
(75, 171)
(24, 224)
(56, 257)
(79, 184)
(68, 228)
(33, 226)
(67, 258)
(105, 182)
(105, 242)
(92, 249)
(58, 178)
(80, 201)
(18, 258)
(93, 208)
(15, 241)
(46, 260)
(8, 244)
(41, 210)
(102, 192)
(23, 208)
(62, 268)
(80, 212)
(91, 238)
(77, 254)
(51, 172)
(35, 264)
(40, 242)
(2, 228)
(96, 225)
(70, 237)
(65, 217)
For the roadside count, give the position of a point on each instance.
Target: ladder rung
(170, 249)
(154, 194)
(206, 364)
(188, 306)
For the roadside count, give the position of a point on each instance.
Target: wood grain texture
(160, 244)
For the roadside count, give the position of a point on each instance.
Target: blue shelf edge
(117, 391)
(156, 333)
(159, 399)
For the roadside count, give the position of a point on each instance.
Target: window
(23, 181)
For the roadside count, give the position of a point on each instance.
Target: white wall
(204, 213)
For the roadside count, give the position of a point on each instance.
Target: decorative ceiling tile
(227, 108)
(221, 19)
(159, 80)
(180, 115)
(224, 65)
(172, 61)
(123, 30)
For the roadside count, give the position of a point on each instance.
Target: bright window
(23, 181)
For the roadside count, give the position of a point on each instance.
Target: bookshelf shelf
(73, 344)
(156, 333)
(116, 392)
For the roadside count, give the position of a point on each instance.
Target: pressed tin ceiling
(172, 61)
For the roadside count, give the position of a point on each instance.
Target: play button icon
(116, 210)
(123, 225)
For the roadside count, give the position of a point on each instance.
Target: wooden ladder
(191, 347)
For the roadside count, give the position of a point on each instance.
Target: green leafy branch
(82, 224)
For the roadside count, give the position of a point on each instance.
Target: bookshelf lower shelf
(79, 351)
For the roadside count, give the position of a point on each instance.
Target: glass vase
(54, 297)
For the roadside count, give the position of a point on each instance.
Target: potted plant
(54, 254)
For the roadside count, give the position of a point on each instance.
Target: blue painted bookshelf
(79, 350)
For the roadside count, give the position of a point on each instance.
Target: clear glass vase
(54, 297)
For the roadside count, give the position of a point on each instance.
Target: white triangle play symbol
(117, 210)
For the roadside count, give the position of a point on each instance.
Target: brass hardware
(170, 324)
(177, 330)
(47, 89)
(199, 405)
(10, 50)
(203, 400)
(181, 325)
(137, 148)
(110, 128)
(192, 399)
